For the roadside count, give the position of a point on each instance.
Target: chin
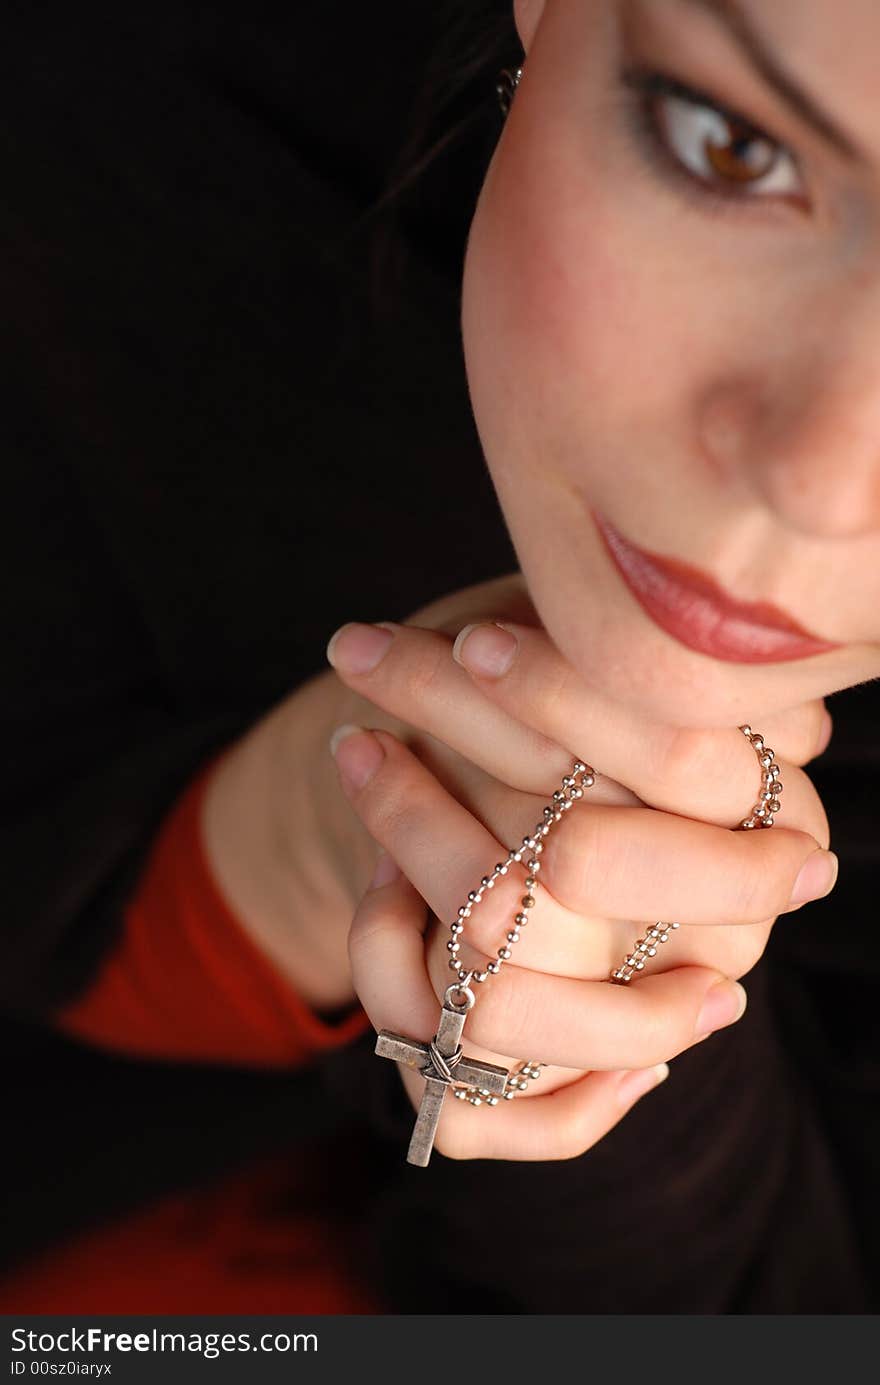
(622, 655)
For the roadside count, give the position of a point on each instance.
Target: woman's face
(672, 334)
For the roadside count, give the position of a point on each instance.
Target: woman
(656, 604)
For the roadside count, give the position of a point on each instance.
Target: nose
(803, 435)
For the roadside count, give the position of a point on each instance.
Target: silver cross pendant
(438, 1061)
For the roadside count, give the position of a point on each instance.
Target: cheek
(597, 316)
(563, 319)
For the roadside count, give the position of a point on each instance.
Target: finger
(524, 660)
(593, 1025)
(385, 947)
(799, 734)
(408, 812)
(525, 727)
(417, 681)
(591, 949)
(709, 774)
(613, 862)
(559, 942)
(386, 950)
(561, 1124)
(621, 863)
(568, 1023)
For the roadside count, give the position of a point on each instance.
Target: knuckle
(798, 732)
(502, 1020)
(663, 1029)
(377, 812)
(484, 1027)
(765, 881)
(421, 673)
(680, 755)
(484, 933)
(488, 923)
(547, 684)
(386, 802)
(756, 889)
(577, 863)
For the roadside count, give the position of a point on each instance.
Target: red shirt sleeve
(186, 981)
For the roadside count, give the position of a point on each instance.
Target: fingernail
(639, 1081)
(825, 731)
(357, 648)
(486, 650)
(815, 879)
(386, 870)
(724, 1004)
(358, 754)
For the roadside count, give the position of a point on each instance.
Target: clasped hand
(650, 841)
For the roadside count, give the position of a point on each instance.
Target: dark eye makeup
(644, 87)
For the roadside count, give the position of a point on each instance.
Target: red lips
(690, 606)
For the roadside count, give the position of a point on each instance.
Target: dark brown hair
(432, 184)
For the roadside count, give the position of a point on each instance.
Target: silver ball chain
(580, 777)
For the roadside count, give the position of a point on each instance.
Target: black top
(212, 444)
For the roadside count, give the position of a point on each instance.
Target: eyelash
(642, 85)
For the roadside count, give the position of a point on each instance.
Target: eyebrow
(755, 48)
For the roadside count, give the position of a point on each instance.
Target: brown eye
(715, 150)
(722, 148)
(743, 156)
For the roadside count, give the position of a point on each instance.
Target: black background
(220, 441)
